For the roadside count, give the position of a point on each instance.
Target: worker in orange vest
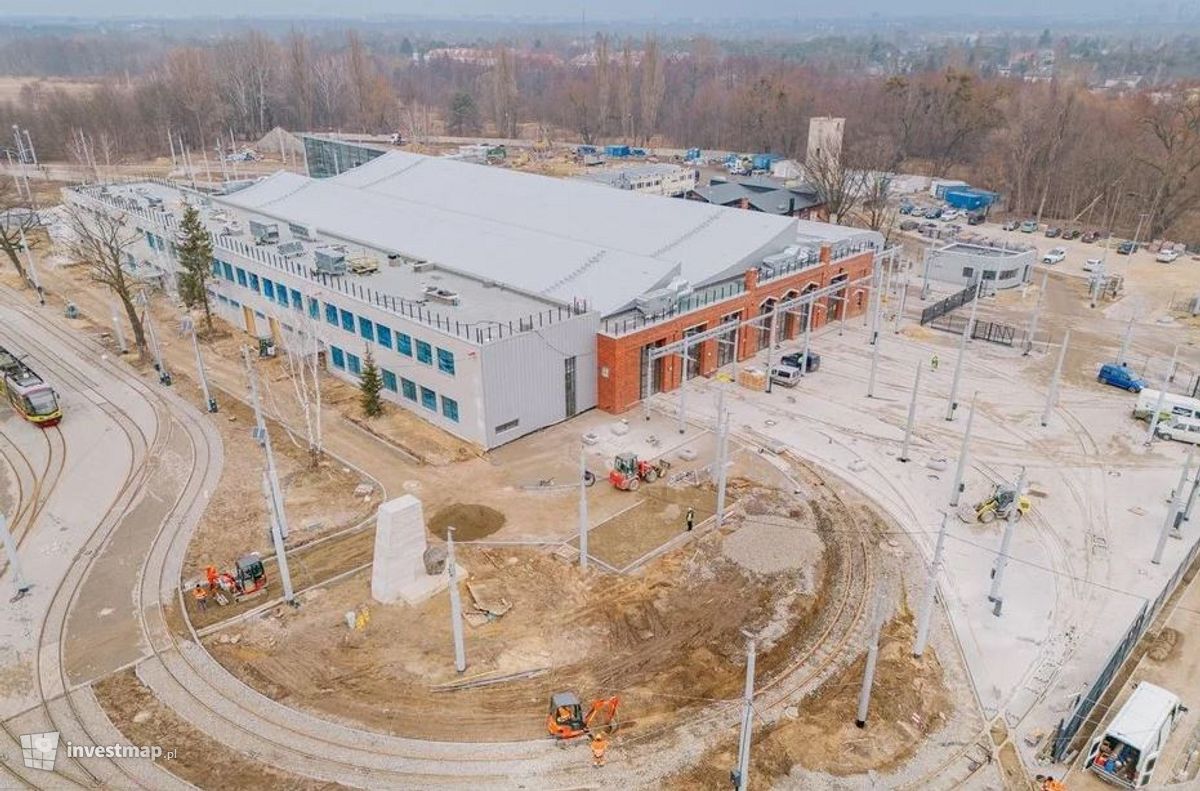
(201, 597)
(599, 745)
(1050, 784)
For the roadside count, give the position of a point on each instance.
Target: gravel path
(772, 544)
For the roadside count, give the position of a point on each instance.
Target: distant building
(824, 138)
(764, 195)
(650, 178)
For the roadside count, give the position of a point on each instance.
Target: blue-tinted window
(408, 388)
(253, 281)
(450, 408)
(347, 321)
(228, 270)
(268, 288)
(338, 357)
(241, 277)
(404, 344)
(281, 294)
(428, 399)
(366, 328)
(383, 336)
(424, 353)
(297, 300)
(216, 267)
(353, 363)
(445, 361)
(389, 379)
(314, 308)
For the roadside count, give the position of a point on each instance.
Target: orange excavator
(249, 578)
(567, 719)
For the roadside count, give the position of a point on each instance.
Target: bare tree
(101, 241)
(654, 87)
(304, 370)
(18, 219)
(842, 188)
(625, 92)
(1173, 160)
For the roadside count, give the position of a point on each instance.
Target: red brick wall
(619, 359)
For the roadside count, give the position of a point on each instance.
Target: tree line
(1053, 149)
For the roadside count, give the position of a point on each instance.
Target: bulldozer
(629, 471)
(567, 719)
(999, 503)
(248, 579)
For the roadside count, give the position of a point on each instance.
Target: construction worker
(1050, 784)
(933, 362)
(691, 518)
(599, 745)
(201, 597)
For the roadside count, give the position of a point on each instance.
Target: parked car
(933, 214)
(1180, 430)
(1090, 237)
(1119, 376)
(1126, 248)
(1053, 233)
(909, 225)
(786, 375)
(1029, 226)
(949, 214)
(1054, 255)
(1010, 225)
(976, 218)
(906, 208)
(1093, 265)
(1074, 233)
(1166, 256)
(793, 359)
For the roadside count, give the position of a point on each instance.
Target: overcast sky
(608, 10)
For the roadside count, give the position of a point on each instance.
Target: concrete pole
(1172, 510)
(808, 314)
(770, 344)
(1123, 354)
(974, 306)
(1158, 409)
(29, 144)
(14, 561)
(1187, 512)
(264, 439)
(118, 332)
(903, 300)
(1037, 312)
(912, 415)
(1010, 525)
(1052, 393)
(722, 454)
(926, 614)
(583, 510)
(171, 143)
(952, 403)
(742, 774)
(456, 627)
(1174, 364)
(874, 368)
(864, 694)
(925, 276)
(877, 307)
(164, 376)
(31, 265)
(963, 454)
(274, 514)
(683, 360)
(210, 403)
(1177, 512)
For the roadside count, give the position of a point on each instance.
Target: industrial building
(960, 264)
(764, 194)
(496, 302)
(650, 178)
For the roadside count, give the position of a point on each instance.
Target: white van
(1180, 429)
(1126, 752)
(1173, 405)
(786, 375)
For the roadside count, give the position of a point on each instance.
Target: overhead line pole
(1052, 393)
(963, 455)
(14, 561)
(722, 454)
(1037, 310)
(1010, 525)
(1173, 509)
(912, 416)
(926, 614)
(583, 509)
(741, 776)
(456, 627)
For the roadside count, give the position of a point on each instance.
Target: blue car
(1119, 376)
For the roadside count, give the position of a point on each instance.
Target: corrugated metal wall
(524, 376)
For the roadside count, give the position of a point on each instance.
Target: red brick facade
(619, 358)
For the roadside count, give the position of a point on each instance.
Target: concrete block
(398, 572)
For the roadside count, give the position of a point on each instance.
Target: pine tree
(195, 261)
(370, 384)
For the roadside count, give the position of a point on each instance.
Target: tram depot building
(496, 302)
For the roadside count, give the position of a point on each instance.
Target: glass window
(445, 361)
(314, 308)
(383, 336)
(253, 280)
(331, 315)
(450, 408)
(228, 271)
(347, 321)
(424, 353)
(353, 363)
(338, 357)
(366, 328)
(216, 267)
(408, 388)
(389, 379)
(428, 399)
(268, 288)
(297, 300)
(404, 344)
(241, 277)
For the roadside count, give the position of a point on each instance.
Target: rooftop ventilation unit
(443, 295)
(291, 249)
(304, 232)
(264, 232)
(422, 266)
(329, 261)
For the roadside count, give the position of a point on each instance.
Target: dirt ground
(667, 640)
(470, 521)
(655, 516)
(197, 758)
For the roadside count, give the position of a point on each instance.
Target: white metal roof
(1138, 721)
(553, 237)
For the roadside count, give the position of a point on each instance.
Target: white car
(1054, 256)
(1093, 265)
(949, 214)
(1180, 430)
(1166, 256)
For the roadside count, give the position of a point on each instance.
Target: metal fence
(990, 331)
(1084, 713)
(952, 302)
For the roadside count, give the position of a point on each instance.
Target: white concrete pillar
(398, 571)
